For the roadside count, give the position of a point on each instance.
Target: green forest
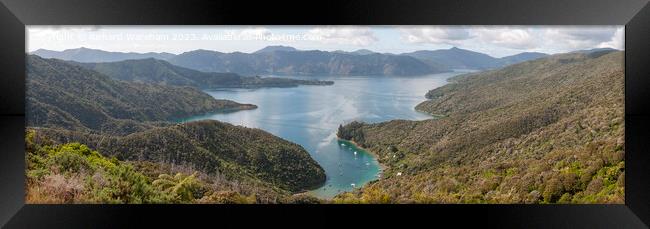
(544, 131)
(94, 139)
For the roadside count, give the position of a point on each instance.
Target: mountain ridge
(156, 71)
(96, 55)
(307, 63)
(466, 59)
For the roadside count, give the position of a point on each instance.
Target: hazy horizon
(496, 41)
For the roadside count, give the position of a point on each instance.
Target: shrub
(228, 197)
(181, 187)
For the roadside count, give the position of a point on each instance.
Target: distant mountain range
(268, 49)
(285, 60)
(521, 57)
(588, 51)
(279, 61)
(95, 55)
(457, 58)
(272, 60)
(155, 71)
(357, 52)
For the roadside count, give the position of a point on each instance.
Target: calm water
(310, 116)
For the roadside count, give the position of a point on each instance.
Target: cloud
(55, 33)
(349, 35)
(580, 37)
(249, 33)
(259, 31)
(516, 38)
(513, 38)
(435, 35)
(617, 40)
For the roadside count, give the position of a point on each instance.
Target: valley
(282, 125)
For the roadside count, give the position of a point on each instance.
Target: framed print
(511, 113)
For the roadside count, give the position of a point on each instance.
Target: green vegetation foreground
(73, 173)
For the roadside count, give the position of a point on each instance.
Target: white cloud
(50, 31)
(617, 41)
(579, 37)
(254, 32)
(349, 35)
(435, 35)
(513, 38)
(502, 40)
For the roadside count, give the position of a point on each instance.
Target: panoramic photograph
(325, 115)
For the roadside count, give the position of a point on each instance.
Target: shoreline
(382, 167)
(436, 116)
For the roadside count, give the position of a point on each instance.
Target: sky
(497, 41)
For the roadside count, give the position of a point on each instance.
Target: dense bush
(543, 131)
(73, 173)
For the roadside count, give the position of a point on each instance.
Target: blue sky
(497, 41)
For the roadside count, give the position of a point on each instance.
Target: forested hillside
(71, 97)
(549, 130)
(73, 111)
(210, 146)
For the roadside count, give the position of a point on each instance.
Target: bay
(311, 115)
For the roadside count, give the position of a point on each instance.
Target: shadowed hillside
(212, 147)
(71, 97)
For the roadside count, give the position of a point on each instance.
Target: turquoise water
(310, 116)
